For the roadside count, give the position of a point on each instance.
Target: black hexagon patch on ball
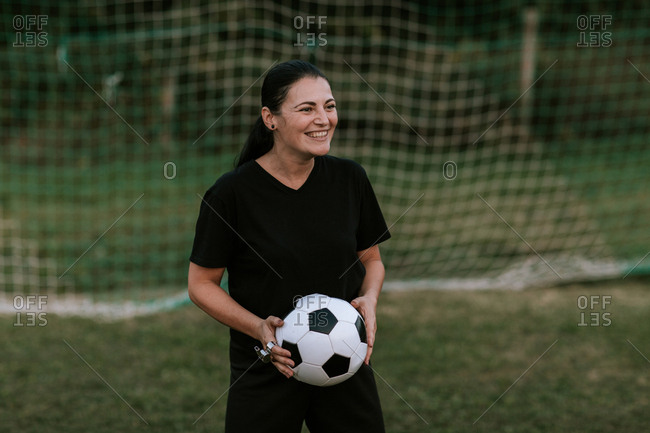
(337, 365)
(295, 353)
(361, 327)
(322, 321)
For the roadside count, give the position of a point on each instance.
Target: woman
(289, 221)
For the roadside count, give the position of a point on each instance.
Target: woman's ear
(268, 118)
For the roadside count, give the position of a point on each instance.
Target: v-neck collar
(287, 188)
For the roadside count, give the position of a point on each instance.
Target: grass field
(445, 362)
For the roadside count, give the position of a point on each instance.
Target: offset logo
(593, 310)
(30, 30)
(593, 31)
(312, 26)
(30, 310)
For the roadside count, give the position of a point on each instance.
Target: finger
(367, 360)
(288, 374)
(284, 369)
(268, 328)
(284, 361)
(274, 321)
(366, 315)
(281, 355)
(371, 330)
(279, 351)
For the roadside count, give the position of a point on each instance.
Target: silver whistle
(265, 354)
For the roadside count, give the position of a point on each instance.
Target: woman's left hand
(367, 307)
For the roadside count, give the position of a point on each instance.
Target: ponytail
(259, 141)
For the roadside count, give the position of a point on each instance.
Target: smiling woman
(288, 221)
(302, 130)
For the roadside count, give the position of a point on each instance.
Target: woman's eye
(327, 107)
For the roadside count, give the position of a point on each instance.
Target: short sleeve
(214, 234)
(372, 228)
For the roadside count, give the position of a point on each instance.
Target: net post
(528, 57)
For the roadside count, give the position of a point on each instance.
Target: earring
(272, 126)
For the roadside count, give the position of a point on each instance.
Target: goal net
(508, 145)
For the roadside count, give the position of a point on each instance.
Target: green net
(507, 142)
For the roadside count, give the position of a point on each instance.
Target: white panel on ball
(296, 325)
(359, 356)
(312, 374)
(315, 348)
(343, 310)
(344, 338)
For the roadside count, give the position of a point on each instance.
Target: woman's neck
(291, 171)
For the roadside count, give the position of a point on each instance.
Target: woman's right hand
(281, 358)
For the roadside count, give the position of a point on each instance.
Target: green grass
(445, 362)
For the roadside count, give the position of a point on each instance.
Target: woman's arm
(205, 291)
(366, 302)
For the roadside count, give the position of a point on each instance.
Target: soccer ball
(326, 337)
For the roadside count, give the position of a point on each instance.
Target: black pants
(262, 400)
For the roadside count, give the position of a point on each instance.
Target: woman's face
(307, 119)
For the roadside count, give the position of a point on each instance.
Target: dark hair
(275, 88)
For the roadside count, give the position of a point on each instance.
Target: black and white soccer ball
(326, 337)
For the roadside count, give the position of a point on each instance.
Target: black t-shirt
(278, 243)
